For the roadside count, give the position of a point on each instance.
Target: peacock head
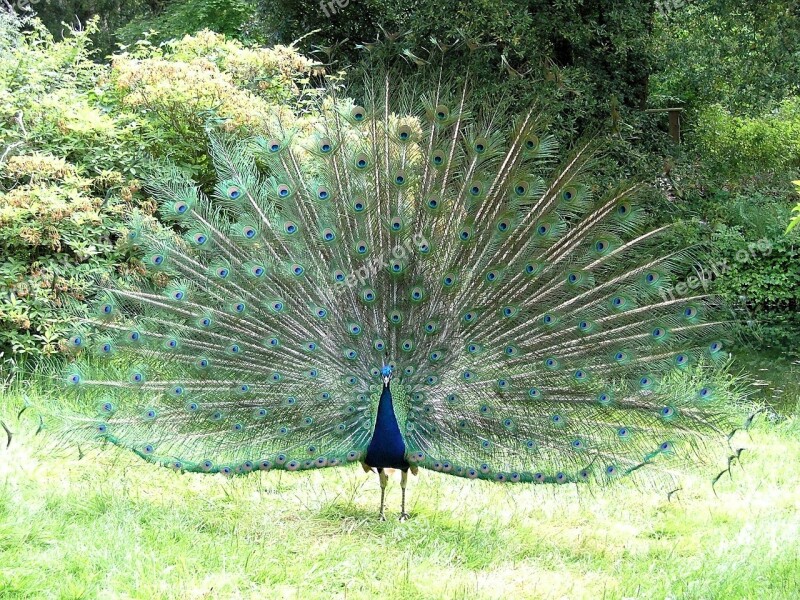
(386, 373)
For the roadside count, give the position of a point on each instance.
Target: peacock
(409, 278)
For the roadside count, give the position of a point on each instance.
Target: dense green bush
(739, 148)
(181, 17)
(74, 138)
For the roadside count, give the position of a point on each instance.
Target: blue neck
(387, 448)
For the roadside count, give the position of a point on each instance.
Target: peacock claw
(382, 517)
(404, 517)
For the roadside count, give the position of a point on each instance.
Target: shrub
(75, 136)
(735, 147)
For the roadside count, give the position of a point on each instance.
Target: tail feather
(532, 327)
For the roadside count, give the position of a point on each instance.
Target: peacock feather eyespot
(395, 317)
(509, 312)
(350, 354)
(502, 384)
(485, 468)
(705, 393)
(407, 345)
(624, 433)
(531, 143)
(297, 269)
(521, 188)
(148, 449)
(667, 412)
(396, 224)
(568, 194)
(476, 188)
(352, 455)
(431, 380)
(681, 360)
(338, 276)
(539, 477)
(486, 444)
(206, 465)
(283, 190)
(581, 375)
(136, 377)
(358, 114)
(469, 317)
(433, 203)
(280, 459)
(647, 382)
(441, 113)
(543, 229)
(605, 398)
(534, 393)
(449, 280)
(503, 225)
(328, 234)
(666, 448)
(532, 268)
(325, 146)
(578, 444)
(204, 322)
(431, 327)
(361, 161)
(361, 247)
(233, 192)
(379, 345)
(480, 145)
(276, 306)
(558, 420)
(400, 178)
(715, 347)
(437, 158)
(290, 227)
(237, 427)
(275, 377)
(273, 146)
(465, 234)
(264, 465)
(474, 348)
(323, 193)
(435, 356)
(306, 422)
(202, 363)
(417, 294)
(150, 414)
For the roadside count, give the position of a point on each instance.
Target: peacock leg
(403, 481)
(384, 478)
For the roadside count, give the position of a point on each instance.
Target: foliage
(738, 148)
(595, 51)
(739, 54)
(175, 19)
(74, 135)
(795, 219)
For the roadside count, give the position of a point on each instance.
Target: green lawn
(112, 526)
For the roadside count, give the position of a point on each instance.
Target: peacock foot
(404, 517)
(381, 517)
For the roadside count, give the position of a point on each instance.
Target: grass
(112, 526)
